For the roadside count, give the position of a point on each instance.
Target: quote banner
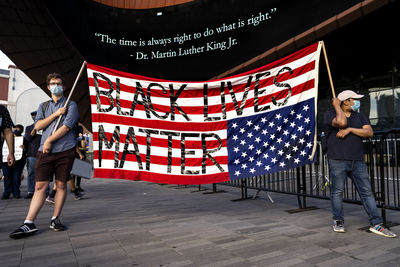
(175, 132)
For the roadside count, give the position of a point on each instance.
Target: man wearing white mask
(346, 127)
(55, 156)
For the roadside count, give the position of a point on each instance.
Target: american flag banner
(251, 124)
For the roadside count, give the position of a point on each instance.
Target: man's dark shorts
(58, 164)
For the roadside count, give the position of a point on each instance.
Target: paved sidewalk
(126, 223)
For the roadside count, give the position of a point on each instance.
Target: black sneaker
(80, 189)
(56, 225)
(24, 230)
(78, 195)
(29, 196)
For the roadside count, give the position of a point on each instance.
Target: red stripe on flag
(161, 125)
(161, 178)
(161, 160)
(198, 92)
(212, 109)
(163, 142)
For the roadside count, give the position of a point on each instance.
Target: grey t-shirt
(351, 146)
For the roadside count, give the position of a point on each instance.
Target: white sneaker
(379, 229)
(338, 227)
(50, 200)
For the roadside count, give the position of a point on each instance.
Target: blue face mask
(356, 105)
(56, 89)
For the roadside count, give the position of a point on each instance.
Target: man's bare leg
(37, 200)
(59, 198)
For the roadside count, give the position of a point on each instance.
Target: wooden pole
(329, 70)
(70, 94)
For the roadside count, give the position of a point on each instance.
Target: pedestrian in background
(33, 139)
(6, 125)
(13, 174)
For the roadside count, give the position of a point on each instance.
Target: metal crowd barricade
(381, 156)
(387, 184)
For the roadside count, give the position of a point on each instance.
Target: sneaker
(80, 189)
(56, 225)
(379, 229)
(78, 195)
(50, 199)
(29, 196)
(338, 226)
(24, 230)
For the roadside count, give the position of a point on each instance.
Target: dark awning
(57, 36)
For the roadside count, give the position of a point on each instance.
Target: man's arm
(63, 130)
(365, 131)
(42, 124)
(9, 136)
(340, 121)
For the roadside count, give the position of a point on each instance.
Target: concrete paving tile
(371, 254)
(193, 243)
(339, 261)
(185, 263)
(324, 257)
(384, 258)
(173, 227)
(236, 243)
(265, 256)
(230, 262)
(11, 262)
(55, 260)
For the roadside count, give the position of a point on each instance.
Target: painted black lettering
(282, 85)
(257, 92)
(174, 105)
(239, 110)
(109, 144)
(148, 145)
(170, 135)
(139, 90)
(163, 117)
(131, 136)
(118, 98)
(185, 152)
(106, 93)
(207, 153)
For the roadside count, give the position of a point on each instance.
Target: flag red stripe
(198, 92)
(161, 160)
(161, 178)
(160, 142)
(159, 124)
(212, 109)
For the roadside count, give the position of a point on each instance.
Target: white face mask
(356, 106)
(56, 89)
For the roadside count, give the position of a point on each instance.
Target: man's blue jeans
(30, 165)
(12, 178)
(357, 171)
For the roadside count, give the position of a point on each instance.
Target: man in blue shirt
(55, 156)
(345, 128)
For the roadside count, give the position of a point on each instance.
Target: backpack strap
(45, 105)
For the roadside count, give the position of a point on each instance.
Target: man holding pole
(55, 156)
(345, 128)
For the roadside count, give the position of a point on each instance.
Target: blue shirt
(351, 146)
(69, 119)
